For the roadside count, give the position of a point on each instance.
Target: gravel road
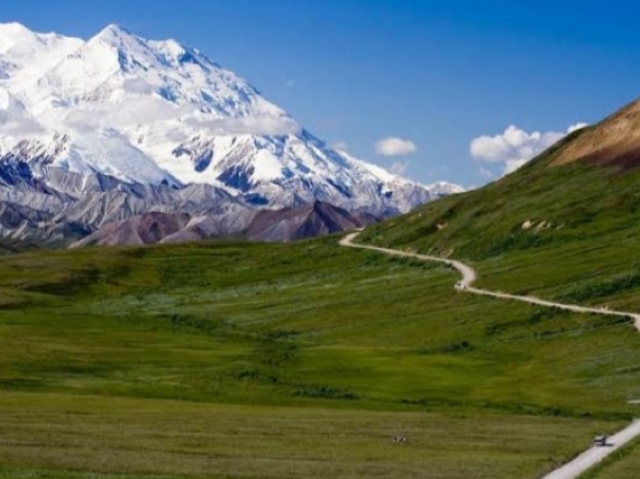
(469, 275)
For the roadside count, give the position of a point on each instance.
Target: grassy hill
(564, 227)
(558, 231)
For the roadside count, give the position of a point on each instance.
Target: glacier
(118, 113)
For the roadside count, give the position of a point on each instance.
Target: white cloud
(399, 168)
(340, 146)
(153, 111)
(515, 147)
(513, 165)
(577, 126)
(256, 126)
(394, 146)
(18, 125)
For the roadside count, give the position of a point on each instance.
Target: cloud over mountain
(394, 146)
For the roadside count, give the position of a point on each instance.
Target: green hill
(558, 228)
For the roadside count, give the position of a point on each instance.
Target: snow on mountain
(105, 152)
(9, 104)
(25, 55)
(158, 112)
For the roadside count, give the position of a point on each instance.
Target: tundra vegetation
(304, 360)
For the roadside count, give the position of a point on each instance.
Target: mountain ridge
(265, 225)
(177, 118)
(614, 141)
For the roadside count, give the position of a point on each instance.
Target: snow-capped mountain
(158, 112)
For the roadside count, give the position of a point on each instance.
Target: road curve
(469, 275)
(593, 456)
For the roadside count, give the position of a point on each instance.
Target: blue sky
(436, 74)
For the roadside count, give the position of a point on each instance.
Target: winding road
(469, 275)
(591, 457)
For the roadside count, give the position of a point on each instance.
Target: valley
(194, 285)
(284, 334)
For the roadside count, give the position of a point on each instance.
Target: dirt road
(469, 275)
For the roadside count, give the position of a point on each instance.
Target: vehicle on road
(600, 441)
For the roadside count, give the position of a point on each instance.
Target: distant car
(600, 441)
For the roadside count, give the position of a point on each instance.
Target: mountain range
(99, 131)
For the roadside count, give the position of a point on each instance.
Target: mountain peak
(113, 49)
(148, 112)
(13, 33)
(114, 30)
(14, 28)
(118, 37)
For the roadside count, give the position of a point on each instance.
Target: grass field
(249, 360)
(173, 439)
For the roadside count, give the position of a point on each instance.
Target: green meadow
(305, 360)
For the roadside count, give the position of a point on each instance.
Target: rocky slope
(614, 141)
(265, 225)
